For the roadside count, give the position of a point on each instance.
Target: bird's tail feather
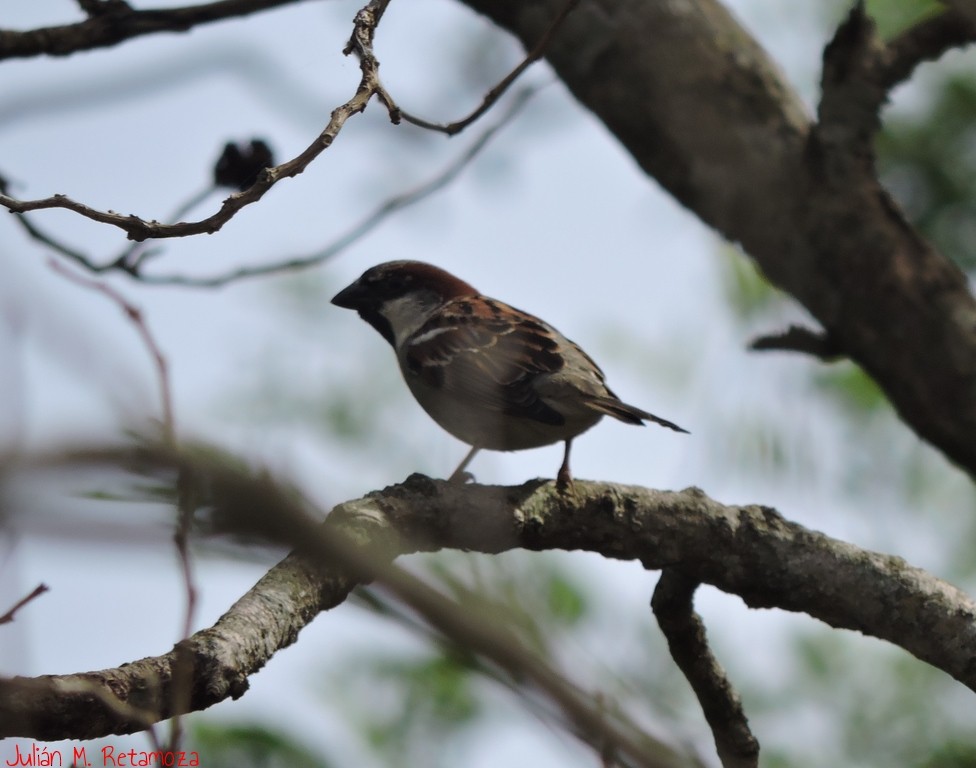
(628, 413)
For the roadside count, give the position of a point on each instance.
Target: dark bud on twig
(99, 8)
(239, 166)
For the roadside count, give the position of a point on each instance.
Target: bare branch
(135, 256)
(8, 617)
(139, 229)
(237, 167)
(925, 41)
(495, 93)
(114, 21)
(674, 608)
(132, 260)
(369, 223)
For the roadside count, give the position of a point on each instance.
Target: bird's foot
(461, 477)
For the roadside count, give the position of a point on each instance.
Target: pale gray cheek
(405, 316)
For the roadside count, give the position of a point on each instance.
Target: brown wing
(479, 352)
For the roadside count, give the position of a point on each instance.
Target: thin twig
(65, 250)
(124, 23)
(474, 632)
(131, 260)
(674, 608)
(493, 95)
(135, 315)
(369, 223)
(182, 681)
(50, 241)
(103, 695)
(401, 612)
(154, 740)
(797, 338)
(39, 590)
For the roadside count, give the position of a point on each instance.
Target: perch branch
(750, 551)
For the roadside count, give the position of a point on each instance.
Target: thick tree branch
(702, 109)
(749, 551)
(117, 22)
(852, 95)
(966, 8)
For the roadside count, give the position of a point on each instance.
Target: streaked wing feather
(487, 359)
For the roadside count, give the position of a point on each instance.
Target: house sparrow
(493, 376)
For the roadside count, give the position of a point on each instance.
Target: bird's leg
(564, 479)
(458, 475)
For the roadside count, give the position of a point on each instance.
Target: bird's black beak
(352, 297)
(363, 300)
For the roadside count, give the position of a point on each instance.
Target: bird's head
(397, 297)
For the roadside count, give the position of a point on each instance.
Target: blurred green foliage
(951, 755)
(747, 293)
(895, 16)
(421, 705)
(252, 745)
(927, 159)
(850, 386)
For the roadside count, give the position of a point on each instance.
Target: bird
(491, 375)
